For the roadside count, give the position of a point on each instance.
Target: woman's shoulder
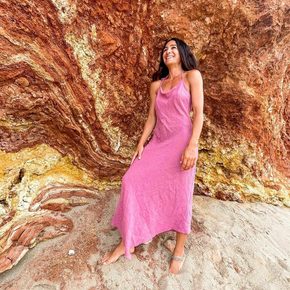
(193, 75)
(155, 84)
(193, 72)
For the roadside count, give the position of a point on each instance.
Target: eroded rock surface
(74, 79)
(231, 246)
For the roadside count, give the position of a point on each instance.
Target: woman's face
(170, 53)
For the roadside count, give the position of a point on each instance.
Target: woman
(156, 191)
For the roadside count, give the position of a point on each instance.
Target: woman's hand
(138, 152)
(189, 157)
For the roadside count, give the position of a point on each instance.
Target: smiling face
(171, 54)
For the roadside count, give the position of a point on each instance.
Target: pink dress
(156, 193)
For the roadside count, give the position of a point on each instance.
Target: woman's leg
(113, 256)
(178, 251)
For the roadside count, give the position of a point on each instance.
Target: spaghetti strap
(162, 80)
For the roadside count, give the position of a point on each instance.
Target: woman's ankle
(179, 251)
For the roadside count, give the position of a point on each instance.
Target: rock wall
(74, 80)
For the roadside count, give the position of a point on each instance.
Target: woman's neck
(174, 72)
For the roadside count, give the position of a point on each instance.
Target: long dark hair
(188, 59)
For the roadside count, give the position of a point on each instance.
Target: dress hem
(128, 255)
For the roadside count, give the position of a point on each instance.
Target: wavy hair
(187, 57)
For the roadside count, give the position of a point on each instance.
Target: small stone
(71, 252)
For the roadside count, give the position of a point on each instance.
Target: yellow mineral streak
(25, 173)
(85, 55)
(230, 171)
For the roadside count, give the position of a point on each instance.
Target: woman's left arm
(189, 155)
(196, 90)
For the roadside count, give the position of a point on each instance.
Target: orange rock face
(74, 75)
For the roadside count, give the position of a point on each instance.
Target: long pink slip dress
(156, 193)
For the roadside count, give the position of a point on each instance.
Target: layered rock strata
(74, 80)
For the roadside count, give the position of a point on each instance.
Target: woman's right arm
(151, 119)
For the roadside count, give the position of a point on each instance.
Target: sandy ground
(231, 246)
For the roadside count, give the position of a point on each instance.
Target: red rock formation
(24, 234)
(43, 97)
(26, 230)
(75, 75)
(46, 93)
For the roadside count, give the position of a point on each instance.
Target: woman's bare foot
(114, 255)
